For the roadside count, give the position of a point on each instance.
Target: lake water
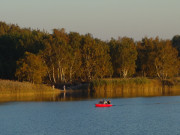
(128, 116)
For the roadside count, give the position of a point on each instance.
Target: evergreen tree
(176, 43)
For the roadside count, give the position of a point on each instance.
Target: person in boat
(108, 102)
(101, 101)
(104, 102)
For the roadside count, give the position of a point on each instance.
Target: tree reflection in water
(99, 93)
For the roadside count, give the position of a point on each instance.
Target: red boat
(103, 105)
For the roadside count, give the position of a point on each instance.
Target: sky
(102, 18)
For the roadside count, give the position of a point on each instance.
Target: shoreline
(117, 87)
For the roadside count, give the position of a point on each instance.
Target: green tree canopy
(176, 42)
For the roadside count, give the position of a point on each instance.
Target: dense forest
(39, 57)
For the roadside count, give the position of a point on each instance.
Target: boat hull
(103, 105)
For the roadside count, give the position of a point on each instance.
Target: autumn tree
(93, 54)
(47, 55)
(157, 58)
(128, 56)
(75, 56)
(31, 68)
(124, 55)
(8, 28)
(61, 56)
(14, 42)
(166, 60)
(104, 64)
(146, 55)
(113, 45)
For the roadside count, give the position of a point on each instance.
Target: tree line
(39, 57)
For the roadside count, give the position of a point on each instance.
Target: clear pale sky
(102, 18)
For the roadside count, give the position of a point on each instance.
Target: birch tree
(166, 60)
(123, 55)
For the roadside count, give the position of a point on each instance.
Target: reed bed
(135, 87)
(120, 81)
(15, 87)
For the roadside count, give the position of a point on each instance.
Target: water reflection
(118, 92)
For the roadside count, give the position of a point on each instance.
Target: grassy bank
(8, 88)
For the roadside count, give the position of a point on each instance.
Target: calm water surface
(128, 116)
